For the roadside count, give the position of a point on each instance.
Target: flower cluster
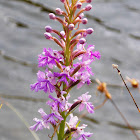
(72, 62)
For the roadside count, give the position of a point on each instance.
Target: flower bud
(71, 26)
(75, 105)
(84, 34)
(48, 29)
(58, 11)
(48, 36)
(52, 16)
(81, 15)
(88, 7)
(82, 40)
(76, 70)
(62, 1)
(69, 131)
(89, 31)
(78, 5)
(62, 33)
(84, 20)
(88, 1)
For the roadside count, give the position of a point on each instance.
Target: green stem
(67, 52)
(70, 137)
(62, 127)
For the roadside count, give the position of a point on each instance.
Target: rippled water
(116, 36)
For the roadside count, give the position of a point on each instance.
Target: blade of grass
(21, 118)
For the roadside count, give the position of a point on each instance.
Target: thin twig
(125, 119)
(116, 66)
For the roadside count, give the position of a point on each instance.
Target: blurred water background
(116, 25)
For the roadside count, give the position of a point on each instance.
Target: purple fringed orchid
(72, 63)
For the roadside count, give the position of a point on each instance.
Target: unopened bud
(82, 40)
(81, 15)
(59, 65)
(52, 16)
(84, 20)
(84, 34)
(71, 26)
(75, 105)
(48, 36)
(88, 1)
(62, 33)
(62, 1)
(58, 11)
(88, 7)
(76, 69)
(48, 29)
(78, 5)
(70, 130)
(89, 31)
(72, 84)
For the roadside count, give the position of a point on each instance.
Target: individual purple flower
(73, 121)
(89, 55)
(79, 130)
(96, 54)
(46, 120)
(84, 77)
(39, 125)
(64, 76)
(43, 83)
(84, 63)
(35, 87)
(84, 98)
(93, 54)
(49, 58)
(50, 77)
(51, 118)
(84, 135)
(57, 103)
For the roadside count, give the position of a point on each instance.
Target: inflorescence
(72, 61)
